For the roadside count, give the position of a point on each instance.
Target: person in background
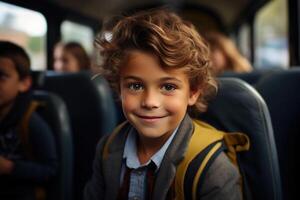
(27, 147)
(225, 55)
(70, 57)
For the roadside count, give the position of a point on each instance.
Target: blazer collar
(174, 154)
(112, 166)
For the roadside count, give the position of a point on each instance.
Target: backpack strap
(23, 130)
(206, 139)
(23, 127)
(238, 142)
(110, 139)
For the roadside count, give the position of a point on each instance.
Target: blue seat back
(251, 77)
(38, 79)
(92, 115)
(281, 93)
(239, 108)
(54, 112)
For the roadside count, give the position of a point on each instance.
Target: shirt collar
(130, 151)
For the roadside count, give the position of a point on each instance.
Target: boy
(20, 172)
(159, 65)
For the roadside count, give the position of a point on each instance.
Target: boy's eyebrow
(132, 77)
(161, 79)
(170, 79)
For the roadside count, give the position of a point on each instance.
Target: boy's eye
(135, 86)
(169, 87)
(3, 75)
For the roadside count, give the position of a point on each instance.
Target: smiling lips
(150, 118)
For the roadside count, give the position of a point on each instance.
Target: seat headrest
(54, 112)
(239, 108)
(281, 93)
(251, 77)
(91, 109)
(38, 79)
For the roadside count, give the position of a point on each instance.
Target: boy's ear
(25, 84)
(194, 95)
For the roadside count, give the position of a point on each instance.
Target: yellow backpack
(23, 127)
(210, 142)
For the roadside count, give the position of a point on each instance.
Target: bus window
(244, 41)
(31, 36)
(84, 35)
(271, 42)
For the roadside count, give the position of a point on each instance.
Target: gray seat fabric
(92, 115)
(281, 93)
(239, 108)
(55, 114)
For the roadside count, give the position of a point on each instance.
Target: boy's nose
(150, 100)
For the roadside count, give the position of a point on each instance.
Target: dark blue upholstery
(281, 93)
(97, 79)
(252, 77)
(55, 114)
(239, 108)
(38, 79)
(91, 110)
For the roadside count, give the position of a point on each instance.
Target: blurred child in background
(224, 55)
(70, 57)
(27, 147)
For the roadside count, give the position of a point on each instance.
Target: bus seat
(92, 115)
(251, 77)
(56, 115)
(118, 112)
(117, 103)
(38, 79)
(239, 108)
(281, 93)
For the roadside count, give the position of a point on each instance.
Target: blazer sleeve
(221, 182)
(95, 187)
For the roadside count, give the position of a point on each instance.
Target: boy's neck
(4, 110)
(147, 147)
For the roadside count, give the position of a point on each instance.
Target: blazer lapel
(113, 164)
(173, 156)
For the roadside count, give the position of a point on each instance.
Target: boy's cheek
(128, 102)
(176, 103)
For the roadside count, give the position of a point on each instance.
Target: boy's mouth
(150, 118)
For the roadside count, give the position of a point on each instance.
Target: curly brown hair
(160, 32)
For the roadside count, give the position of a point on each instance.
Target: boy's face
(10, 83)
(154, 100)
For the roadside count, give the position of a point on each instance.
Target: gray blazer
(221, 181)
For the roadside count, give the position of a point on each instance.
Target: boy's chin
(153, 133)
